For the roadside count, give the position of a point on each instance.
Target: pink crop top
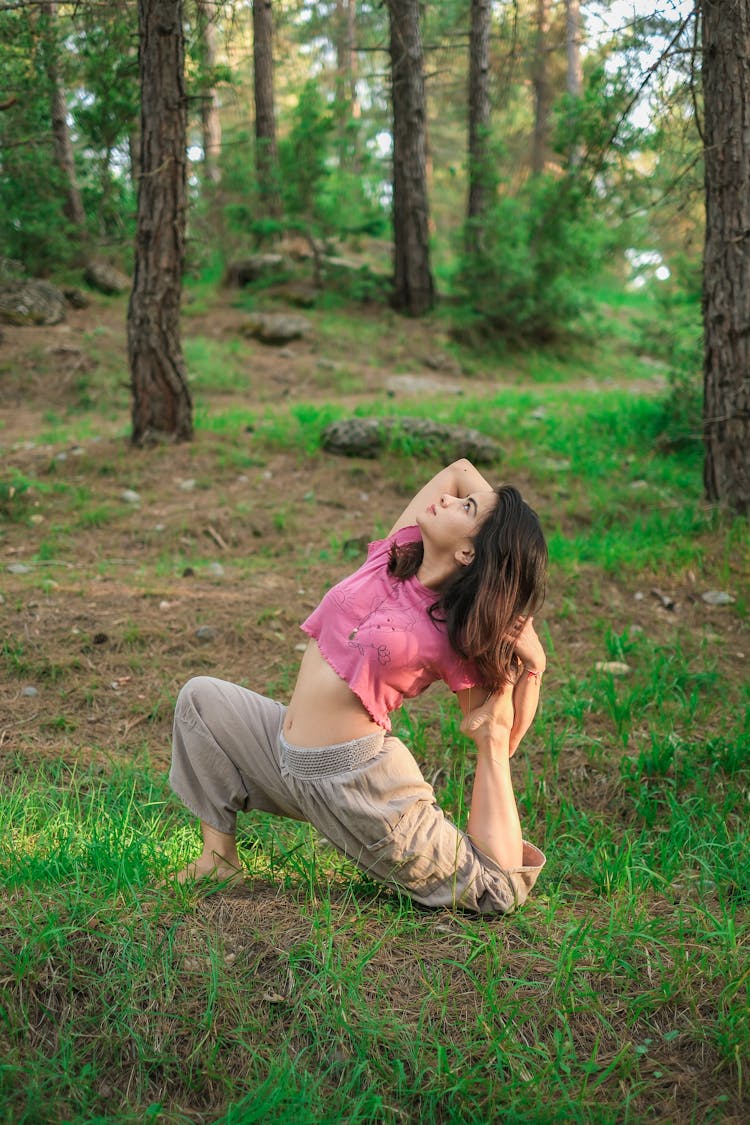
(376, 633)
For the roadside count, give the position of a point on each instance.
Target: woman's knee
(193, 696)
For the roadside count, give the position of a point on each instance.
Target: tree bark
(162, 407)
(480, 173)
(210, 120)
(542, 90)
(726, 259)
(266, 153)
(574, 78)
(61, 142)
(413, 288)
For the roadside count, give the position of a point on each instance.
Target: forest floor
(127, 584)
(123, 572)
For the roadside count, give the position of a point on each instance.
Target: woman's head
(503, 582)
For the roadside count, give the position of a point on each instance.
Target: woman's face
(449, 525)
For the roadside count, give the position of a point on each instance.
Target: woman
(449, 594)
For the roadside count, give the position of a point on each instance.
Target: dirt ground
(229, 545)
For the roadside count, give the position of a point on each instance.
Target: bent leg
(225, 754)
(384, 816)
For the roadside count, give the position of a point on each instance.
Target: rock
(130, 497)
(25, 303)
(76, 298)
(253, 268)
(18, 568)
(613, 667)
(355, 437)
(717, 597)
(106, 278)
(275, 328)
(30, 691)
(216, 569)
(300, 294)
(367, 437)
(206, 633)
(422, 385)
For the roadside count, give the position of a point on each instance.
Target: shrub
(523, 281)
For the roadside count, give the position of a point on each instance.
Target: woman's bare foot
(210, 868)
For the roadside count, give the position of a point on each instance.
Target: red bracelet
(532, 675)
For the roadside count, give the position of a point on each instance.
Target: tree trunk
(726, 259)
(161, 400)
(480, 173)
(61, 142)
(574, 82)
(346, 57)
(210, 120)
(542, 91)
(413, 290)
(266, 154)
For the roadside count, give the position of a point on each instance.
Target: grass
(619, 993)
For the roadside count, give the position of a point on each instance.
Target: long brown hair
(482, 603)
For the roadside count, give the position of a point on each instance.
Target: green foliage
(302, 153)
(673, 333)
(523, 282)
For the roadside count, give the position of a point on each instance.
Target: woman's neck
(435, 572)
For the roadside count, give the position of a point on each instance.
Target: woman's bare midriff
(323, 710)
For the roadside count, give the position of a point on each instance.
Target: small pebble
(613, 667)
(61, 457)
(717, 597)
(165, 605)
(18, 568)
(187, 485)
(29, 691)
(206, 633)
(216, 569)
(130, 497)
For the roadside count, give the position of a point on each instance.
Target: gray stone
(26, 303)
(367, 437)
(422, 385)
(206, 633)
(76, 298)
(30, 691)
(130, 497)
(717, 597)
(106, 278)
(247, 270)
(18, 568)
(275, 328)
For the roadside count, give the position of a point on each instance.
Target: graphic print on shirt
(394, 618)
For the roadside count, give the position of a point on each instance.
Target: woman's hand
(493, 719)
(528, 647)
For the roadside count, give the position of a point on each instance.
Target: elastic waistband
(322, 761)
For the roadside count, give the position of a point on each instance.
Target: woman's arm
(491, 711)
(459, 479)
(494, 825)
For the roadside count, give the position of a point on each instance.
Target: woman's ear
(464, 555)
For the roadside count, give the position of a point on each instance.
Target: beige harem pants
(367, 797)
